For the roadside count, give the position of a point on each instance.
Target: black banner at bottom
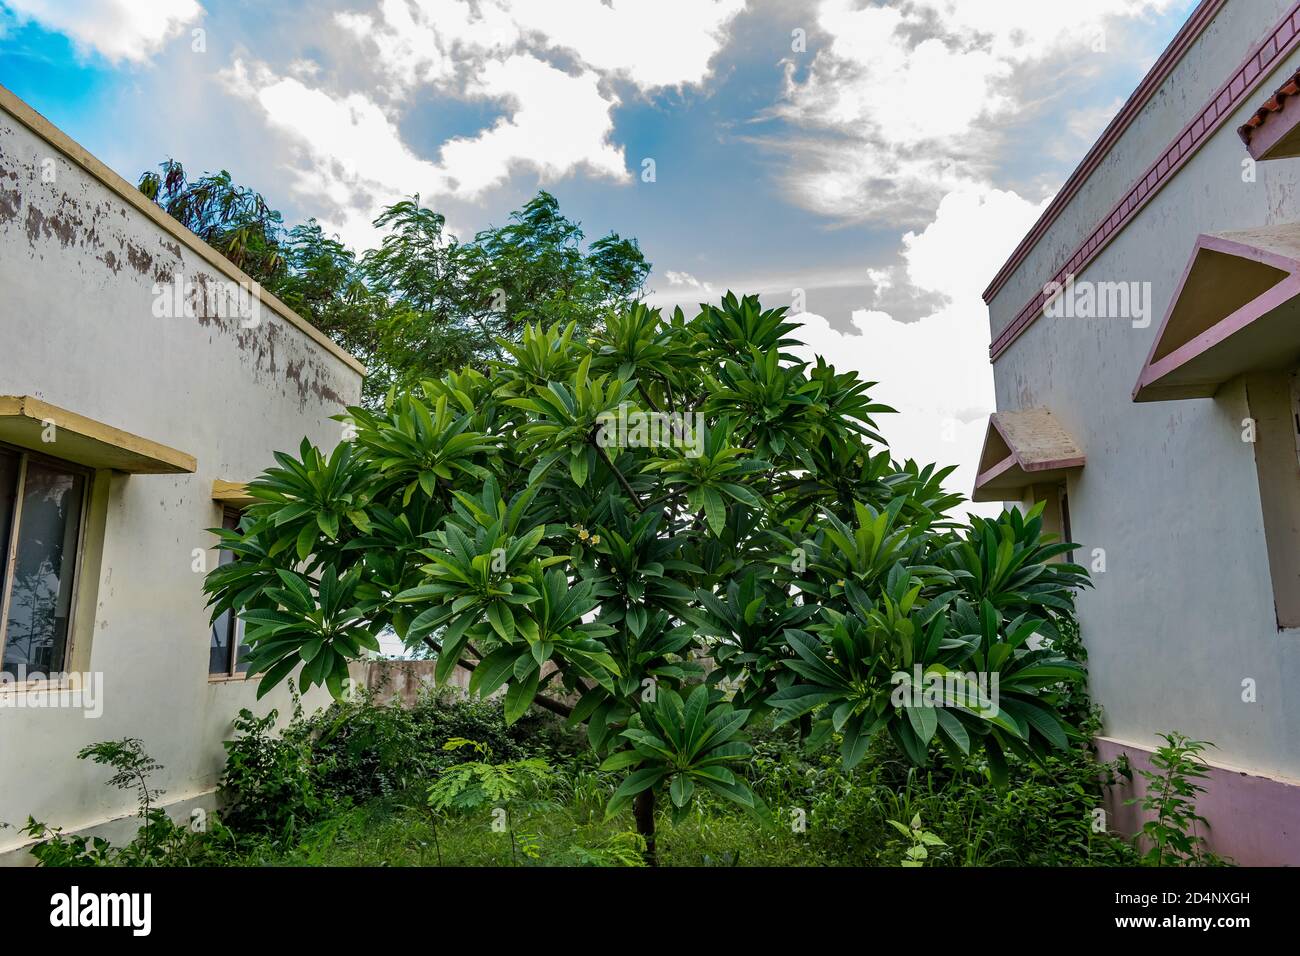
(333, 906)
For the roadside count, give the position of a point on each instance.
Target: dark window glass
(219, 650)
(40, 581)
(227, 630)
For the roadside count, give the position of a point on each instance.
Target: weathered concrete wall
(401, 682)
(1183, 613)
(78, 268)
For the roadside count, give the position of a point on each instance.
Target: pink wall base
(1254, 820)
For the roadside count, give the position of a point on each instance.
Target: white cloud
(686, 280)
(904, 103)
(926, 370)
(935, 371)
(559, 122)
(973, 232)
(1023, 30)
(118, 30)
(903, 108)
(661, 44)
(423, 41)
(551, 68)
(350, 152)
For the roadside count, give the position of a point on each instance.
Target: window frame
(11, 546)
(233, 636)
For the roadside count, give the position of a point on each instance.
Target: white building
(143, 379)
(1146, 336)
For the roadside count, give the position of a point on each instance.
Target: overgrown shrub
(1043, 817)
(368, 749)
(273, 784)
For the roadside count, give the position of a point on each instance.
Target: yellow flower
(595, 539)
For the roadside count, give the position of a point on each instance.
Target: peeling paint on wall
(52, 218)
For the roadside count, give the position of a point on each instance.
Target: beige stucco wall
(1183, 612)
(78, 264)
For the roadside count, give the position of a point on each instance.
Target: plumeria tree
(663, 532)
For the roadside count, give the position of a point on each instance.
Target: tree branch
(636, 500)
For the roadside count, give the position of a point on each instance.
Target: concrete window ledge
(38, 426)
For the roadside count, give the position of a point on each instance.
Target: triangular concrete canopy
(1235, 311)
(1023, 448)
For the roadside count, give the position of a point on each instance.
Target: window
(41, 506)
(1056, 514)
(227, 652)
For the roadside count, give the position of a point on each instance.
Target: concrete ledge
(24, 421)
(116, 830)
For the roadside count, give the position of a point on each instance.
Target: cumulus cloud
(903, 103)
(349, 150)
(973, 232)
(660, 44)
(345, 152)
(925, 370)
(423, 41)
(118, 30)
(553, 69)
(668, 43)
(901, 112)
(935, 371)
(559, 122)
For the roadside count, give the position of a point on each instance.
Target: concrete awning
(41, 427)
(1024, 448)
(233, 493)
(1234, 311)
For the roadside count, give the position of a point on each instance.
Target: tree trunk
(643, 808)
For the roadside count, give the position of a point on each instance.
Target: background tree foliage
(772, 560)
(423, 303)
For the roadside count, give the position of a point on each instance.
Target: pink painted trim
(1279, 42)
(1254, 819)
(1286, 288)
(1001, 468)
(1158, 73)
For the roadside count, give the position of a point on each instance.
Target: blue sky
(875, 160)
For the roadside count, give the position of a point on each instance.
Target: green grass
(1042, 819)
(399, 831)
